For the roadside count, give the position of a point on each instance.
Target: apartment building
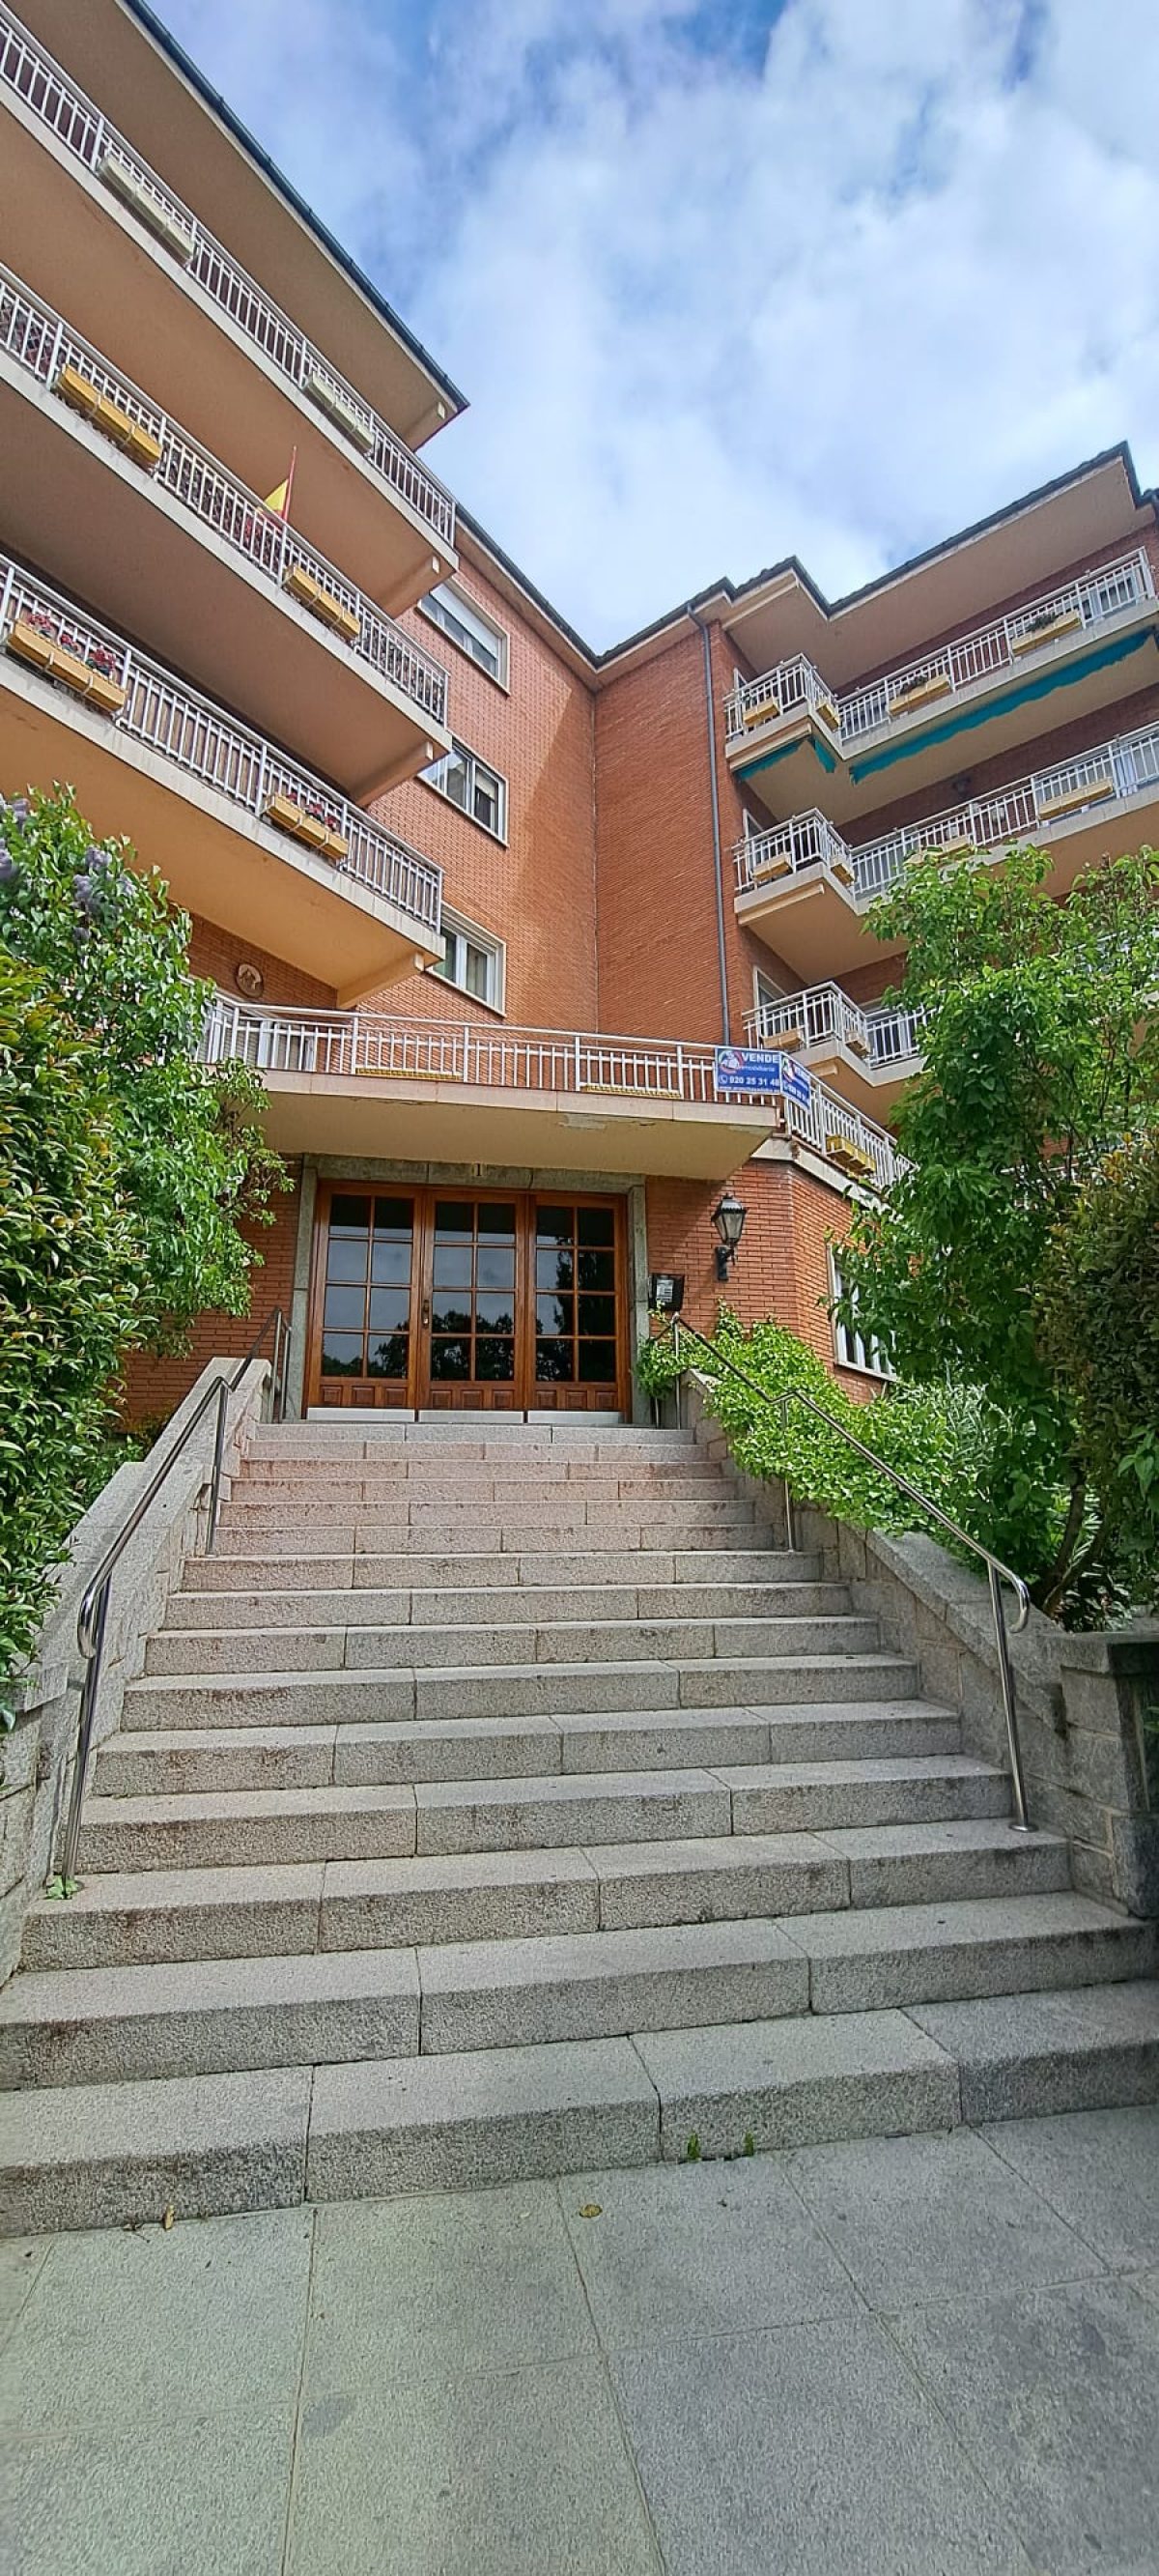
(541, 953)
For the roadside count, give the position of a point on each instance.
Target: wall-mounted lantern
(728, 1217)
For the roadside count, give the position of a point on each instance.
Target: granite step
(272, 1575)
(133, 1917)
(205, 1830)
(498, 1603)
(399, 1692)
(121, 2154)
(164, 1761)
(587, 1639)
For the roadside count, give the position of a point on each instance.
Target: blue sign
(761, 1070)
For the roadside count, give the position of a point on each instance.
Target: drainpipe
(721, 952)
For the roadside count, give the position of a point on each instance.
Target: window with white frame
(475, 789)
(855, 1349)
(471, 960)
(463, 620)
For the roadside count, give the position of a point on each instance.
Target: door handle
(426, 1315)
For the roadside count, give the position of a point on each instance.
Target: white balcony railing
(805, 842)
(198, 737)
(1105, 776)
(806, 845)
(350, 1044)
(1076, 609)
(824, 1015)
(51, 96)
(38, 339)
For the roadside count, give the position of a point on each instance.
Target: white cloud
(832, 277)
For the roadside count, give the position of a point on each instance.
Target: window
(464, 622)
(765, 989)
(475, 789)
(471, 961)
(855, 1350)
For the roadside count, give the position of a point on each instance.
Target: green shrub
(959, 1448)
(126, 1169)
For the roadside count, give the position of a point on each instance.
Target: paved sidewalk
(918, 2357)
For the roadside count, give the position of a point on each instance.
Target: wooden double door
(456, 1300)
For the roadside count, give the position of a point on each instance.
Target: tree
(1099, 1310)
(125, 1167)
(191, 1160)
(1041, 1045)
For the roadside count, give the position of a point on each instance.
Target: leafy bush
(951, 1441)
(1098, 1307)
(1041, 1054)
(126, 1168)
(68, 1286)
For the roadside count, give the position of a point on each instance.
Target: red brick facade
(615, 901)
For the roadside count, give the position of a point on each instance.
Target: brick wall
(155, 1387)
(782, 1267)
(215, 953)
(538, 890)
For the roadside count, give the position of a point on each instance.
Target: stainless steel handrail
(93, 1612)
(997, 1572)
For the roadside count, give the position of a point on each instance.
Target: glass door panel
(576, 1301)
(364, 1331)
(472, 1305)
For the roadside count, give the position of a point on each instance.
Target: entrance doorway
(467, 1300)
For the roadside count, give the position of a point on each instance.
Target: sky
(726, 280)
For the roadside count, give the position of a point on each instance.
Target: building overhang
(466, 1124)
(1084, 513)
(130, 65)
(95, 522)
(70, 238)
(219, 861)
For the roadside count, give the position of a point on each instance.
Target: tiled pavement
(928, 2356)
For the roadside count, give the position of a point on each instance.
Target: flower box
(168, 221)
(828, 714)
(108, 416)
(840, 868)
(1093, 793)
(788, 1040)
(856, 1044)
(305, 826)
(776, 863)
(332, 397)
(1044, 633)
(920, 693)
(323, 603)
(760, 714)
(46, 653)
(849, 1157)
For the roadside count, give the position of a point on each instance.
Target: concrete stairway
(498, 1801)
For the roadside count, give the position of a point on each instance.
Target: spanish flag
(279, 500)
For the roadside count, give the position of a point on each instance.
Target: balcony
(539, 1099)
(94, 229)
(119, 504)
(1085, 643)
(242, 835)
(868, 1056)
(808, 890)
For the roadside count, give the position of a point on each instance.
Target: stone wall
(36, 1758)
(1087, 1706)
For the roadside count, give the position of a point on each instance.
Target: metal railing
(173, 720)
(37, 337)
(787, 849)
(352, 1044)
(997, 1572)
(1074, 609)
(1108, 774)
(54, 99)
(823, 1014)
(92, 1617)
